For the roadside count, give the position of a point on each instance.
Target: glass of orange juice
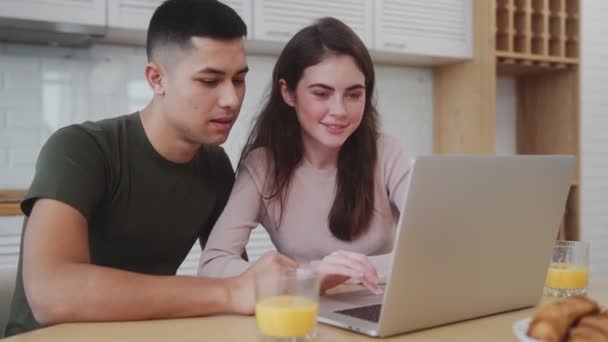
(287, 304)
(568, 272)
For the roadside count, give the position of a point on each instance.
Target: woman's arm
(222, 256)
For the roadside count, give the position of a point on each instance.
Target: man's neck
(165, 139)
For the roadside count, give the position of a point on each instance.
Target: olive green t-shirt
(144, 212)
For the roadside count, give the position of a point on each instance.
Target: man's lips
(224, 123)
(226, 120)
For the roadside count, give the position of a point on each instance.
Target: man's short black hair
(175, 22)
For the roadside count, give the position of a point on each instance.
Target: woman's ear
(288, 96)
(154, 75)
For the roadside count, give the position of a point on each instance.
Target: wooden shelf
(543, 28)
(9, 202)
(517, 64)
(10, 209)
(537, 41)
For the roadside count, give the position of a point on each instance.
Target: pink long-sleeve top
(303, 233)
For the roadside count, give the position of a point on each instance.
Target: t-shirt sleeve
(224, 175)
(70, 169)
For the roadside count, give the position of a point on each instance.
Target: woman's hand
(338, 267)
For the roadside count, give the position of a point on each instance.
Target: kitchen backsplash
(45, 88)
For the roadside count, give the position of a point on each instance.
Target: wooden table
(240, 329)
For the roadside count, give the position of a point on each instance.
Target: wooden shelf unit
(537, 42)
(536, 35)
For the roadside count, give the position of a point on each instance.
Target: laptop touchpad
(347, 300)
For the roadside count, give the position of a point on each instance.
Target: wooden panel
(465, 94)
(548, 122)
(547, 113)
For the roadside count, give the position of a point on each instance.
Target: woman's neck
(319, 156)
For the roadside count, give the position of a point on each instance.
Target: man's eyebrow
(210, 70)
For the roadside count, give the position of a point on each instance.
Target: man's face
(204, 89)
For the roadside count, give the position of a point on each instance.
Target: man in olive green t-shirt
(116, 205)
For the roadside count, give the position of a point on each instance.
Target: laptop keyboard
(369, 313)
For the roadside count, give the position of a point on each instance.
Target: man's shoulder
(101, 130)
(108, 127)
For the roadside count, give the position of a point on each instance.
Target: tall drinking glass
(287, 304)
(568, 273)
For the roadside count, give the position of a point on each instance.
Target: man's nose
(229, 97)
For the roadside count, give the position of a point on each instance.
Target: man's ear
(288, 95)
(155, 75)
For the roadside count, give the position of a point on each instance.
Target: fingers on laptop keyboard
(354, 265)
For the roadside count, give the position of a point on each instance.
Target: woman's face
(329, 101)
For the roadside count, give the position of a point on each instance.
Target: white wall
(506, 116)
(594, 132)
(44, 88)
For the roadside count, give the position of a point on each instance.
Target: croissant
(591, 328)
(551, 321)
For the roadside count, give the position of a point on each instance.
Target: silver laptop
(474, 238)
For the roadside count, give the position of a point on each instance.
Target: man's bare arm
(62, 285)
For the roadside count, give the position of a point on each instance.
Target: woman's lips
(335, 129)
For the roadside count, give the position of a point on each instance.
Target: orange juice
(286, 316)
(567, 276)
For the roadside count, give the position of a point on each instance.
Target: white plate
(520, 328)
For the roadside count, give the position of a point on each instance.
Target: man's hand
(242, 293)
(339, 266)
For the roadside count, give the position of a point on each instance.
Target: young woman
(315, 171)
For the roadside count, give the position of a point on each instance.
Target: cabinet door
(131, 14)
(438, 28)
(82, 12)
(136, 14)
(279, 20)
(245, 9)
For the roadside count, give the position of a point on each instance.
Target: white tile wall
(45, 88)
(594, 132)
(10, 233)
(506, 116)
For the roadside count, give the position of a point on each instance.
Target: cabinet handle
(278, 33)
(395, 45)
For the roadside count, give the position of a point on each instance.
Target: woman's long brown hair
(277, 129)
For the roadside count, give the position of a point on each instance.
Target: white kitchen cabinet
(279, 20)
(136, 14)
(245, 9)
(60, 12)
(131, 14)
(437, 28)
